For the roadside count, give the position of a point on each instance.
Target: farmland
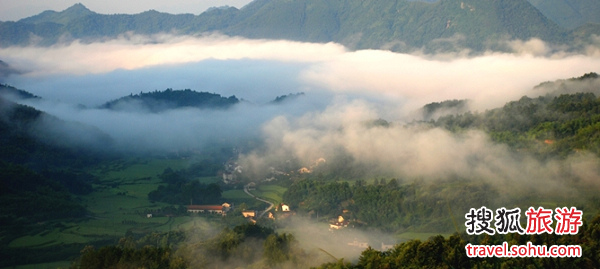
(118, 205)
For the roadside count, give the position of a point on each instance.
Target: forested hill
(158, 101)
(569, 14)
(33, 138)
(551, 125)
(10, 91)
(37, 176)
(398, 25)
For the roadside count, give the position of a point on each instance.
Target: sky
(13, 10)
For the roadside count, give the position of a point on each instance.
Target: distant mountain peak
(63, 17)
(78, 8)
(397, 25)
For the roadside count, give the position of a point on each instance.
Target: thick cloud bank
(235, 65)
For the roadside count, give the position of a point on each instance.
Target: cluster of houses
(284, 211)
(363, 245)
(308, 170)
(335, 224)
(222, 210)
(231, 172)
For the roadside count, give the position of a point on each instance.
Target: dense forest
(388, 204)
(244, 245)
(440, 252)
(253, 246)
(158, 101)
(10, 91)
(39, 180)
(28, 197)
(180, 190)
(546, 126)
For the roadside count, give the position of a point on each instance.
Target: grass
(118, 204)
(132, 170)
(51, 265)
(273, 193)
(208, 180)
(236, 195)
(45, 239)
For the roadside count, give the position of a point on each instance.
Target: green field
(273, 193)
(137, 168)
(236, 195)
(118, 204)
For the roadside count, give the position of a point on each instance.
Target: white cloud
(135, 51)
(412, 80)
(490, 80)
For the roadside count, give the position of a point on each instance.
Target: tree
(277, 248)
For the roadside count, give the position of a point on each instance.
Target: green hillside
(547, 126)
(394, 24)
(63, 17)
(158, 101)
(569, 14)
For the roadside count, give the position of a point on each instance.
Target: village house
(231, 172)
(357, 244)
(249, 213)
(304, 170)
(340, 223)
(228, 178)
(214, 209)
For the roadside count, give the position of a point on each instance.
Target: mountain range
(398, 25)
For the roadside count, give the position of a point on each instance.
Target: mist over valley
(118, 137)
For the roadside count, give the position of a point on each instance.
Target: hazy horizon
(16, 10)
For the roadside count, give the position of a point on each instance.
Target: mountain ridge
(62, 17)
(568, 13)
(395, 25)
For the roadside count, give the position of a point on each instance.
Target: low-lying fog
(343, 89)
